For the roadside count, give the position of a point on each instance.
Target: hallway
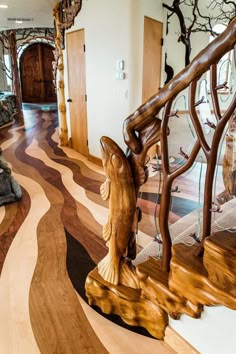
(49, 241)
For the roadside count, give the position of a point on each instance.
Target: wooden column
(16, 87)
(60, 81)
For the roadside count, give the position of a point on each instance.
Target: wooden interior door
(37, 73)
(47, 57)
(77, 90)
(152, 53)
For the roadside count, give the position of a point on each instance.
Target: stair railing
(143, 129)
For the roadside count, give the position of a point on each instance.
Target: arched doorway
(36, 74)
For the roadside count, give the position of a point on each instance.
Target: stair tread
(223, 242)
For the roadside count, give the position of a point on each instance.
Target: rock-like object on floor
(10, 190)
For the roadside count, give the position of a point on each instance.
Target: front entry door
(37, 73)
(77, 90)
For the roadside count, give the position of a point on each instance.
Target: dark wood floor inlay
(14, 217)
(79, 264)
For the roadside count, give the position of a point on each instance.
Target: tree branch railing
(146, 116)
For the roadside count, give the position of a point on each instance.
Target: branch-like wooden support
(64, 14)
(16, 87)
(63, 134)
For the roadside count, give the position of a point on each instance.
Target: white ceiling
(38, 10)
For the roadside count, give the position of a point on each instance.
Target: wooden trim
(178, 343)
(70, 143)
(95, 160)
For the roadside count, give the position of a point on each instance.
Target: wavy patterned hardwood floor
(49, 241)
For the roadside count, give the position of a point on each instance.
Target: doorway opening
(36, 71)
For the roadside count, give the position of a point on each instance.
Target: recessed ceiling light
(19, 21)
(3, 6)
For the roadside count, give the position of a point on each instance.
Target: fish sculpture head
(114, 160)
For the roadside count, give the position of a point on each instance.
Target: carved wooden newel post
(64, 14)
(60, 82)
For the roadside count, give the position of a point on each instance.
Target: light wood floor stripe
(8, 143)
(20, 127)
(16, 334)
(2, 213)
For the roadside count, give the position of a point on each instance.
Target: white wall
(112, 32)
(213, 333)
(115, 32)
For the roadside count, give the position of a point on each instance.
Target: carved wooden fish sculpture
(119, 188)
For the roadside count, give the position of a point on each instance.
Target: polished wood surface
(189, 269)
(220, 260)
(119, 231)
(126, 302)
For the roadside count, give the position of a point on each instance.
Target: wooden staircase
(186, 278)
(193, 282)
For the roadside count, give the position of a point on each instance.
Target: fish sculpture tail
(108, 268)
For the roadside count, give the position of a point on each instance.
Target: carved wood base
(126, 302)
(192, 283)
(190, 279)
